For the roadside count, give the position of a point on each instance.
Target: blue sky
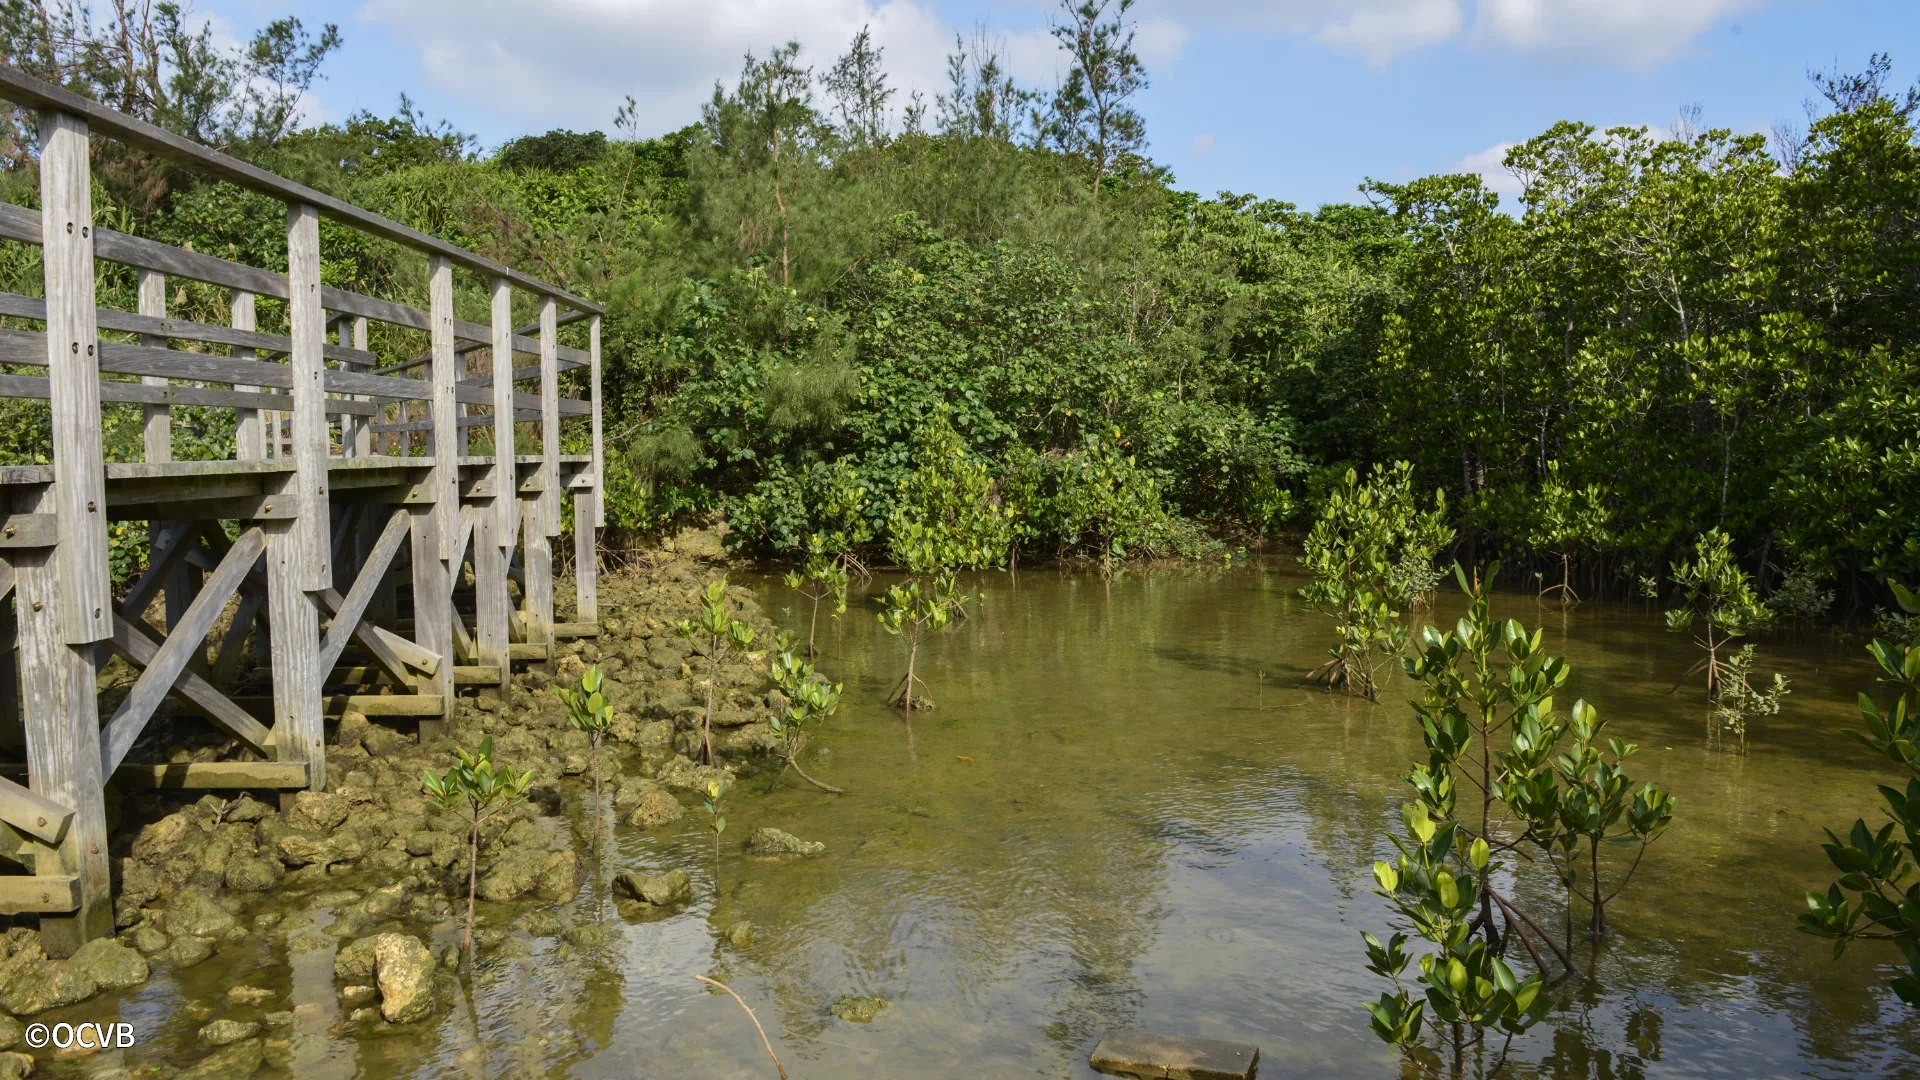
(1288, 99)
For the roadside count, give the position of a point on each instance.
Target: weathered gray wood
(215, 775)
(185, 641)
(1136, 1053)
(432, 606)
(537, 560)
(171, 542)
(25, 90)
(307, 326)
(157, 421)
(491, 603)
(133, 641)
(354, 604)
(69, 346)
(13, 736)
(298, 722)
(445, 479)
(48, 894)
(28, 530)
(28, 386)
(356, 432)
(32, 307)
(586, 558)
(63, 746)
(250, 433)
(476, 337)
(550, 416)
(33, 813)
(119, 358)
(506, 510)
(226, 662)
(599, 452)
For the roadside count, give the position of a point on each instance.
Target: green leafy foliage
(1719, 604)
(476, 789)
(1877, 897)
(1366, 553)
(589, 710)
(719, 635)
(807, 699)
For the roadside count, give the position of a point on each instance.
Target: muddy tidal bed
(1120, 813)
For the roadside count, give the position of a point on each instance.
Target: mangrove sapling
(1364, 554)
(589, 710)
(1719, 595)
(808, 698)
(1878, 895)
(911, 612)
(1739, 701)
(716, 822)
(1594, 801)
(1566, 520)
(477, 789)
(1485, 684)
(722, 634)
(823, 576)
(1799, 599)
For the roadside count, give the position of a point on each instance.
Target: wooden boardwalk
(312, 534)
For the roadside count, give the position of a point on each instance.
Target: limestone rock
(656, 808)
(660, 890)
(47, 985)
(109, 964)
(354, 964)
(767, 841)
(631, 791)
(188, 950)
(740, 934)
(236, 1062)
(318, 811)
(249, 996)
(684, 775)
(404, 969)
(227, 1032)
(382, 741)
(255, 874)
(15, 1066)
(11, 1032)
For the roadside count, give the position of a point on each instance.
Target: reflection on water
(1157, 828)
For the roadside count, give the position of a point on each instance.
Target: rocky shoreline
(372, 870)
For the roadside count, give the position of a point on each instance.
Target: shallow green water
(1124, 813)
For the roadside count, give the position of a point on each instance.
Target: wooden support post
(492, 607)
(444, 480)
(356, 432)
(73, 339)
(249, 426)
(586, 558)
(432, 613)
(299, 725)
(537, 588)
(550, 416)
(12, 735)
(506, 505)
(599, 457)
(63, 744)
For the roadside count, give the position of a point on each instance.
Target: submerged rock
(768, 841)
(656, 808)
(11, 1032)
(354, 963)
(187, 951)
(235, 1062)
(404, 969)
(592, 935)
(550, 875)
(740, 934)
(660, 890)
(227, 1032)
(856, 1009)
(686, 776)
(15, 1066)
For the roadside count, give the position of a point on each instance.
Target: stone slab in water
(1136, 1053)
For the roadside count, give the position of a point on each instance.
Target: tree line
(1668, 334)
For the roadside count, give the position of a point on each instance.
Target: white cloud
(1629, 33)
(570, 62)
(1202, 144)
(1487, 163)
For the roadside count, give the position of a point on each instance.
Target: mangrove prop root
(828, 788)
(764, 1041)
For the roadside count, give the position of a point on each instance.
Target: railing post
(73, 339)
(492, 607)
(299, 554)
(599, 459)
(249, 425)
(434, 571)
(65, 593)
(550, 414)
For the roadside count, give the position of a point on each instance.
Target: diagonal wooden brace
(185, 642)
(138, 649)
(173, 547)
(346, 618)
(33, 813)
